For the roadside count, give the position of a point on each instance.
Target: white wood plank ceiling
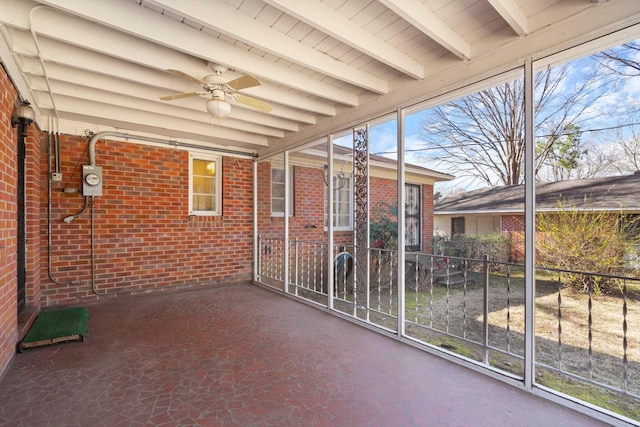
(323, 64)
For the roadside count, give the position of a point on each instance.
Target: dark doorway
(413, 215)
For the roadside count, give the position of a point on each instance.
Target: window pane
(203, 202)
(277, 175)
(277, 205)
(342, 220)
(342, 206)
(202, 185)
(204, 167)
(277, 191)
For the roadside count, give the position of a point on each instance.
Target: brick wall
(309, 193)
(427, 218)
(9, 333)
(513, 228)
(145, 239)
(8, 224)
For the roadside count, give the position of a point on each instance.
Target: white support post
(287, 196)
(368, 226)
(401, 223)
(529, 226)
(256, 249)
(354, 236)
(332, 268)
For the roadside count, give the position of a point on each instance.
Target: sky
(606, 112)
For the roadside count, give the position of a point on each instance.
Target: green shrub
(383, 228)
(494, 245)
(593, 242)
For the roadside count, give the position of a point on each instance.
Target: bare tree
(622, 62)
(482, 135)
(629, 145)
(621, 59)
(598, 160)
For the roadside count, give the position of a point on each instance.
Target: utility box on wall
(91, 180)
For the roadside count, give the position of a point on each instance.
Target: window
(277, 192)
(205, 185)
(342, 204)
(457, 226)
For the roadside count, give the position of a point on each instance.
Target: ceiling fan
(220, 90)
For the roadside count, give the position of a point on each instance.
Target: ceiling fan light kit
(218, 107)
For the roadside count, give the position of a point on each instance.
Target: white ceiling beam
(9, 62)
(327, 20)
(60, 53)
(161, 42)
(227, 20)
(81, 122)
(75, 126)
(162, 124)
(418, 15)
(512, 14)
(193, 105)
(112, 99)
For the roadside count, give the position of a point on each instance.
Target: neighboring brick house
(501, 209)
(307, 218)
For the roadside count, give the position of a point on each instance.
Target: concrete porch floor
(241, 355)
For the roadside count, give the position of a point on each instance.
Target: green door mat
(53, 326)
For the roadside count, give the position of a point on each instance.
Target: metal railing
(307, 264)
(271, 261)
(475, 309)
(595, 333)
(454, 304)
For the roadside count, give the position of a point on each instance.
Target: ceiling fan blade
(243, 82)
(253, 103)
(189, 76)
(179, 95)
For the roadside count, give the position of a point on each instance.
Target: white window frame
(291, 190)
(336, 227)
(217, 180)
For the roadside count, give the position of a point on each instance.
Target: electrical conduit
(92, 161)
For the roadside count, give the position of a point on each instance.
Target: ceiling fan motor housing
(217, 93)
(215, 79)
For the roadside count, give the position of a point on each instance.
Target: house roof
(324, 66)
(613, 193)
(380, 166)
(391, 164)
